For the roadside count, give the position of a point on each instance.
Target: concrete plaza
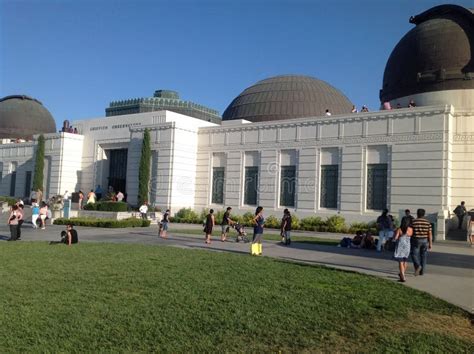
(449, 275)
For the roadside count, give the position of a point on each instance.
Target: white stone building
(277, 148)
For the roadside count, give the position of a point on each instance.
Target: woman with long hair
(402, 249)
(258, 221)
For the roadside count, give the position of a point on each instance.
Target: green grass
(266, 236)
(129, 298)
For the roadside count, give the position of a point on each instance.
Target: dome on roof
(23, 116)
(287, 97)
(436, 55)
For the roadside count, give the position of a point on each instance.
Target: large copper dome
(287, 97)
(23, 116)
(436, 55)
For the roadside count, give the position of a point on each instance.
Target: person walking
(164, 224)
(226, 223)
(209, 224)
(34, 214)
(460, 211)
(81, 199)
(91, 197)
(143, 210)
(259, 222)
(285, 228)
(21, 216)
(402, 249)
(385, 228)
(13, 223)
(421, 242)
(43, 213)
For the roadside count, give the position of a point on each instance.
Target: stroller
(241, 233)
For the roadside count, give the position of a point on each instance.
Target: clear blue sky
(76, 56)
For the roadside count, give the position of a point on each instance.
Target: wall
(411, 141)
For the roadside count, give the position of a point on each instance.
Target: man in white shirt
(143, 210)
(327, 112)
(66, 195)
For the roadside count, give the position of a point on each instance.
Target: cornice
(376, 139)
(317, 121)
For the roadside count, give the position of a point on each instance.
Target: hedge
(107, 206)
(106, 223)
(10, 200)
(335, 223)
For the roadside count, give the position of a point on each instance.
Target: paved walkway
(450, 271)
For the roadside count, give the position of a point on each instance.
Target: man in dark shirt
(285, 227)
(407, 220)
(421, 241)
(226, 222)
(460, 211)
(68, 237)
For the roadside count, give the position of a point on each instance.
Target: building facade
(278, 147)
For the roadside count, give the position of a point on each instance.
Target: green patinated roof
(163, 100)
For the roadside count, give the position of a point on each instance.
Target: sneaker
(417, 271)
(421, 271)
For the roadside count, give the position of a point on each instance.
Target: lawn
(273, 236)
(128, 298)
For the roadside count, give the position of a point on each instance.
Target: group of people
(258, 222)
(16, 217)
(95, 195)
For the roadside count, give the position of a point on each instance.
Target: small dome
(23, 116)
(436, 55)
(287, 97)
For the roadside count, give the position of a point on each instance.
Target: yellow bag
(254, 249)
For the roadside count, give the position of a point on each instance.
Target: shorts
(225, 229)
(43, 217)
(164, 226)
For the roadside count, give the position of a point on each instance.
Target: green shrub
(247, 219)
(10, 200)
(312, 223)
(358, 226)
(106, 223)
(90, 206)
(336, 223)
(272, 222)
(112, 206)
(295, 222)
(107, 206)
(187, 215)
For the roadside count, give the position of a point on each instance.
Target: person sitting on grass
(358, 240)
(68, 237)
(369, 241)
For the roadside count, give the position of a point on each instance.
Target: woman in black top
(210, 222)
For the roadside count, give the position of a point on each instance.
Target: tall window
(218, 185)
(329, 182)
(12, 184)
(288, 186)
(27, 184)
(377, 186)
(251, 185)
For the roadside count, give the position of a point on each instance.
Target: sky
(76, 56)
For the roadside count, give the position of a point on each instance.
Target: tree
(144, 169)
(39, 165)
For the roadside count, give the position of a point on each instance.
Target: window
(12, 184)
(218, 185)
(377, 186)
(329, 183)
(251, 185)
(288, 186)
(27, 184)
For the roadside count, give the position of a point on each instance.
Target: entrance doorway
(118, 169)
